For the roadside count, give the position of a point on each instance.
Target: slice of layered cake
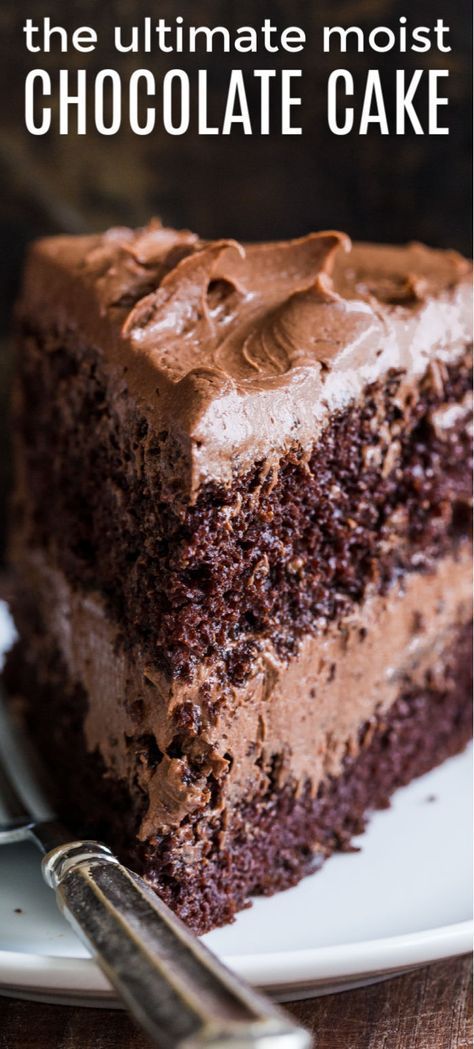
(240, 541)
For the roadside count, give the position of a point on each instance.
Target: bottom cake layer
(265, 843)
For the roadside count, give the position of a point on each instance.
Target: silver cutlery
(180, 993)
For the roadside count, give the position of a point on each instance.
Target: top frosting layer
(242, 350)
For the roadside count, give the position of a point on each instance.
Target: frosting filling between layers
(209, 866)
(297, 719)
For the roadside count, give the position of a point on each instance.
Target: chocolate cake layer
(241, 541)
(214, 745)
(385, 489)
(272, 837)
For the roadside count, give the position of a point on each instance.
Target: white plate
(405, 899)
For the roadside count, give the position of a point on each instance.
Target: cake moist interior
(239, 544)
(273, 838)
(272, 556)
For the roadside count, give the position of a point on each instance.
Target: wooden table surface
(430, 1008)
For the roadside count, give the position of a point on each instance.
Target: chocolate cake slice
(240, 543)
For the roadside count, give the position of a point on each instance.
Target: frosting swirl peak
(241, 351)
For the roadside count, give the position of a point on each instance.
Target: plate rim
(81, 977)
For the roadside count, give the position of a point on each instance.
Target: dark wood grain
(430, 1008)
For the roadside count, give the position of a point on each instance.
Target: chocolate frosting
(241, 350)
(309, 711)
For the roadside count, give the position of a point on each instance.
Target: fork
(180, 993)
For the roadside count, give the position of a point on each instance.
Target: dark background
(375, 187)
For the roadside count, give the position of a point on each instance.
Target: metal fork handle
(177, 990)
